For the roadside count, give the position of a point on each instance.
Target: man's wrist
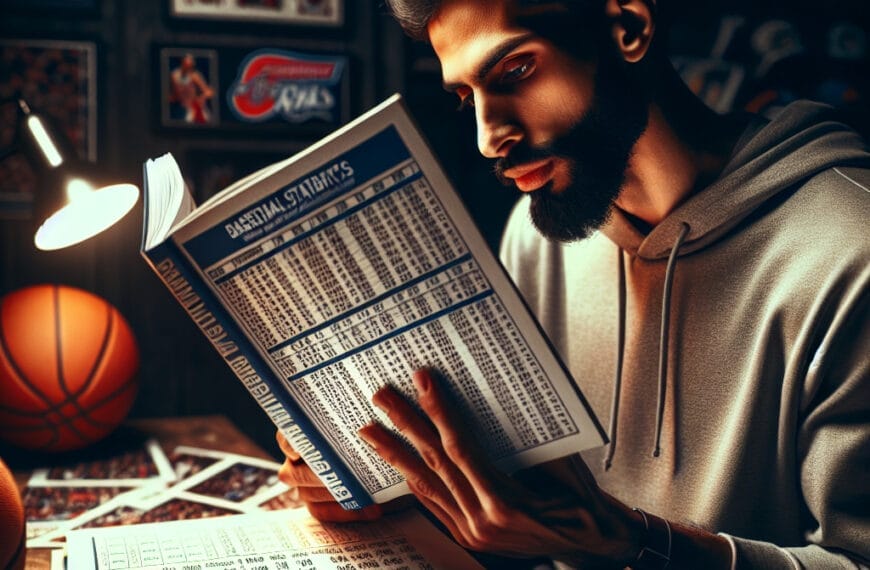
(691, 546)
(655, 545)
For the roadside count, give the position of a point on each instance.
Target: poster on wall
(57, 79)
(189, 87)
(266, 90)
(303, 12)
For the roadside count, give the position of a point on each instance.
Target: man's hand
(314, 493)
(560, 512)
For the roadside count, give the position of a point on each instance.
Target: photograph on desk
(232, 481)
(132, 468)
(46, 507)
(202, 483)
(55, 495)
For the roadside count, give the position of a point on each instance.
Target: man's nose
(497, 133)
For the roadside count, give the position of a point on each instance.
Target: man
(705, 279)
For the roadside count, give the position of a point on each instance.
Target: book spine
(243, 359)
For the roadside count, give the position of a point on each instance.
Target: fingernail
(422, 381)
(361, 432)
(383, 398)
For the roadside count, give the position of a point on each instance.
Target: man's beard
(597, 148)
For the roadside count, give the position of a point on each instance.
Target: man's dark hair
(413, 15)
(558, 20)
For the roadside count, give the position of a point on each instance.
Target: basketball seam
(118, 391)
(111, 396)
(64, 421)
(101, 355)
(28, 384)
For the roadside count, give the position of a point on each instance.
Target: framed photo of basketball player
(301, 12)
(189, 88)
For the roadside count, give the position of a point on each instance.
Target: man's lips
(531, 176)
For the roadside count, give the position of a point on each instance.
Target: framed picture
(267, 91)
(189, 87)
(303, 12)
(58, 79)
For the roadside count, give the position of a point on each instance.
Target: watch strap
(655, 551)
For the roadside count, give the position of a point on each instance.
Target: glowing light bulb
(46, 145)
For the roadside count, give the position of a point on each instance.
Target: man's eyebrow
(496, 55)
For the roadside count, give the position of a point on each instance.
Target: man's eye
(517, 69)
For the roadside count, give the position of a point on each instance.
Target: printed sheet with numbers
(278, 540)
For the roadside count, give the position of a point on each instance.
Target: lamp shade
(88, 212)
(80, 210)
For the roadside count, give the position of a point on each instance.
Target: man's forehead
(463, 33)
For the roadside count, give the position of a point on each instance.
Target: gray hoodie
(728, 348)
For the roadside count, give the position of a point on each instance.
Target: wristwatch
(655, 552)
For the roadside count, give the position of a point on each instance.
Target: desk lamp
(83, 210)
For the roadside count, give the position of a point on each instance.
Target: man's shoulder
(835, 201)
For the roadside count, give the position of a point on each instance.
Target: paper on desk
(268, 541)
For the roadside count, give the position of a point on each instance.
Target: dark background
(776, 53)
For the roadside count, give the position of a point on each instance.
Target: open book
(325, 276)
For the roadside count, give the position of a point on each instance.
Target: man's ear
(632, 26)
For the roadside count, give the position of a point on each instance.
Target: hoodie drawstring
(663, 348)
(663, 336)
(620, 349)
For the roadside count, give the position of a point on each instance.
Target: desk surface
(213, 432)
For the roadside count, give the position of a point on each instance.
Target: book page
(361, 265)
(269, 541)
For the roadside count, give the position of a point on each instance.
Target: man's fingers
(453, 527)
(315, 495)
(427, 442)
(285, 446)
(457, 440)
(421, 480)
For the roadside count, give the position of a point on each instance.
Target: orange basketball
(11, 522)
(67, 368)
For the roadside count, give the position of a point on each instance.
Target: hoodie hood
(804, 139)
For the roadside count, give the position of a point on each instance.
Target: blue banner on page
(290, 202)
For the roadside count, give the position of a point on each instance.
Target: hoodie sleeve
(833, 447)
